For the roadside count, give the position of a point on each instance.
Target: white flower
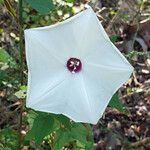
(74, 69)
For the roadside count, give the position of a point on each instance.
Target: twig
(145, 90)
(21, 40)
(142, 142)
(20, 10)
(137, 16)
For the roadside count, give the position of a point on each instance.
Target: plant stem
(21, 40)
(20, 25)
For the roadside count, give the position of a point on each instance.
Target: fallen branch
(140, 143)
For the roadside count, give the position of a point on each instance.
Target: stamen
(74, 65)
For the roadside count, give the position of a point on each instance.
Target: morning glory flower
(73, 68)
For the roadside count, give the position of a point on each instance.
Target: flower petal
(69, 98)
(45, 70)
(58, 40)
(106, 54)
(89, 31)
(101, 83)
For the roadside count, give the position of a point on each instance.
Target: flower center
(74, 65)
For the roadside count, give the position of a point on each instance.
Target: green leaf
(1, 1)
(83, 134)
(64, 121)
(66, 132)
(89, 145)
(22, 92)
(9, 138)
(6, 60)
(70, 1)
(43, 125)
(62, 138)
(1, 146)
(78, 133)
(23, 87)
(42, 6)
(3, 75)
(115, 103)
(31, 117)
(114, 38)
(4, 56)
